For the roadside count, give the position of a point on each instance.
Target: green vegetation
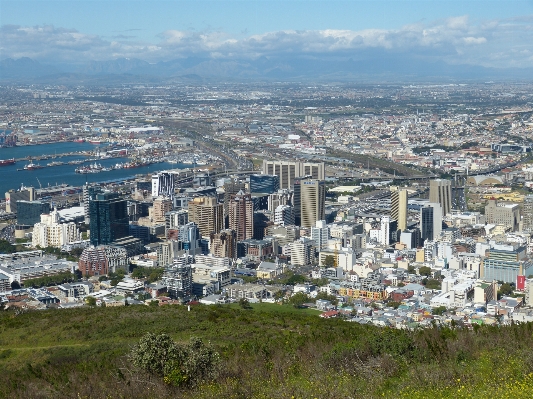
(152, 274)
(329, 261)
(6, 247)
(263, 353)
(46, 281)
(432, 284)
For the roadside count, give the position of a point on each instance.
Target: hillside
(265, 353)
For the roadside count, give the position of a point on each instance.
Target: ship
(5, 162)
(33, 166)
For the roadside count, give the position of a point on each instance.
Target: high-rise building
(108, 218)
(29, 212)
(430, 222)
(241, 215)
(288, 171)
(178, 279)
(12, 196)
(207, 214)
(223, 244)
(281, 197)
(89, 191)
(264, 184)
(399, 206)
(174, 219)
(302, 252)
(49, 232)
(320, 234)
(97, 261)
(189, 236)
(503, 213)
(527, 214)
(309, 201)
(163, 184)
(284, 215)
(161, 206)
(440, 192)
(231, 187)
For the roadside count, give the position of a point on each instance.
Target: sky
(474, 32)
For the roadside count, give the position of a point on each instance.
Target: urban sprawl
(393, 205)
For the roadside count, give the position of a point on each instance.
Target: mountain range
(387, 69)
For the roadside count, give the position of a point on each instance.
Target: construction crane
(40, 185)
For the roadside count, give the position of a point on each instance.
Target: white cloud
(454, 40)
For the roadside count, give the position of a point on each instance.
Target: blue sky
(489, 33)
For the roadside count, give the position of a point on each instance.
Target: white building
(51, 233)
(320, 234)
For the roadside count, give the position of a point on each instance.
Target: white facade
(320, 234)
(50, 233)
(284, 215)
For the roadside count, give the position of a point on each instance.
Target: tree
(178, 364)
(433, 284)
(244, 303)
(411, 269)
(90, 300)
(324, 295)
(425, 271)
(298, 299)
(6, 247)
(15, 285)
(278, 295)
(505, 289)
(328, 261)
(439, 310)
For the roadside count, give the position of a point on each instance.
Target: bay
(10, 178)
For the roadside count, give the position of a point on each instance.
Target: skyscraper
(264, 184)
(223, 244)
(431, 221)
(440, 192)
(320, 234)
(207, 214)
(162, 205)
(288, 171)
(241, 215)
(399, 206)
(29, 212)
(108, 218)
(527, 213)
(310, 199)
(163, 184)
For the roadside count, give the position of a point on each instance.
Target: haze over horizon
(269, 38)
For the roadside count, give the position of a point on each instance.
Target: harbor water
(11, 178)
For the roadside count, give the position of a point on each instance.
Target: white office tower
(163, 184)
(384, 230)
(284, 215)
(320, 234)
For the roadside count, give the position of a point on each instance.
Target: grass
(268, 351)
(277, 308)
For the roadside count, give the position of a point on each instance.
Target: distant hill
(356, 68)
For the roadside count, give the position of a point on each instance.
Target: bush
(177, 364)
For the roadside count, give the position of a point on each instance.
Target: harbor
(62, 169)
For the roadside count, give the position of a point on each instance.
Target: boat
(79, 141)
(33, 166)
(5, 162)
(95, 141)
